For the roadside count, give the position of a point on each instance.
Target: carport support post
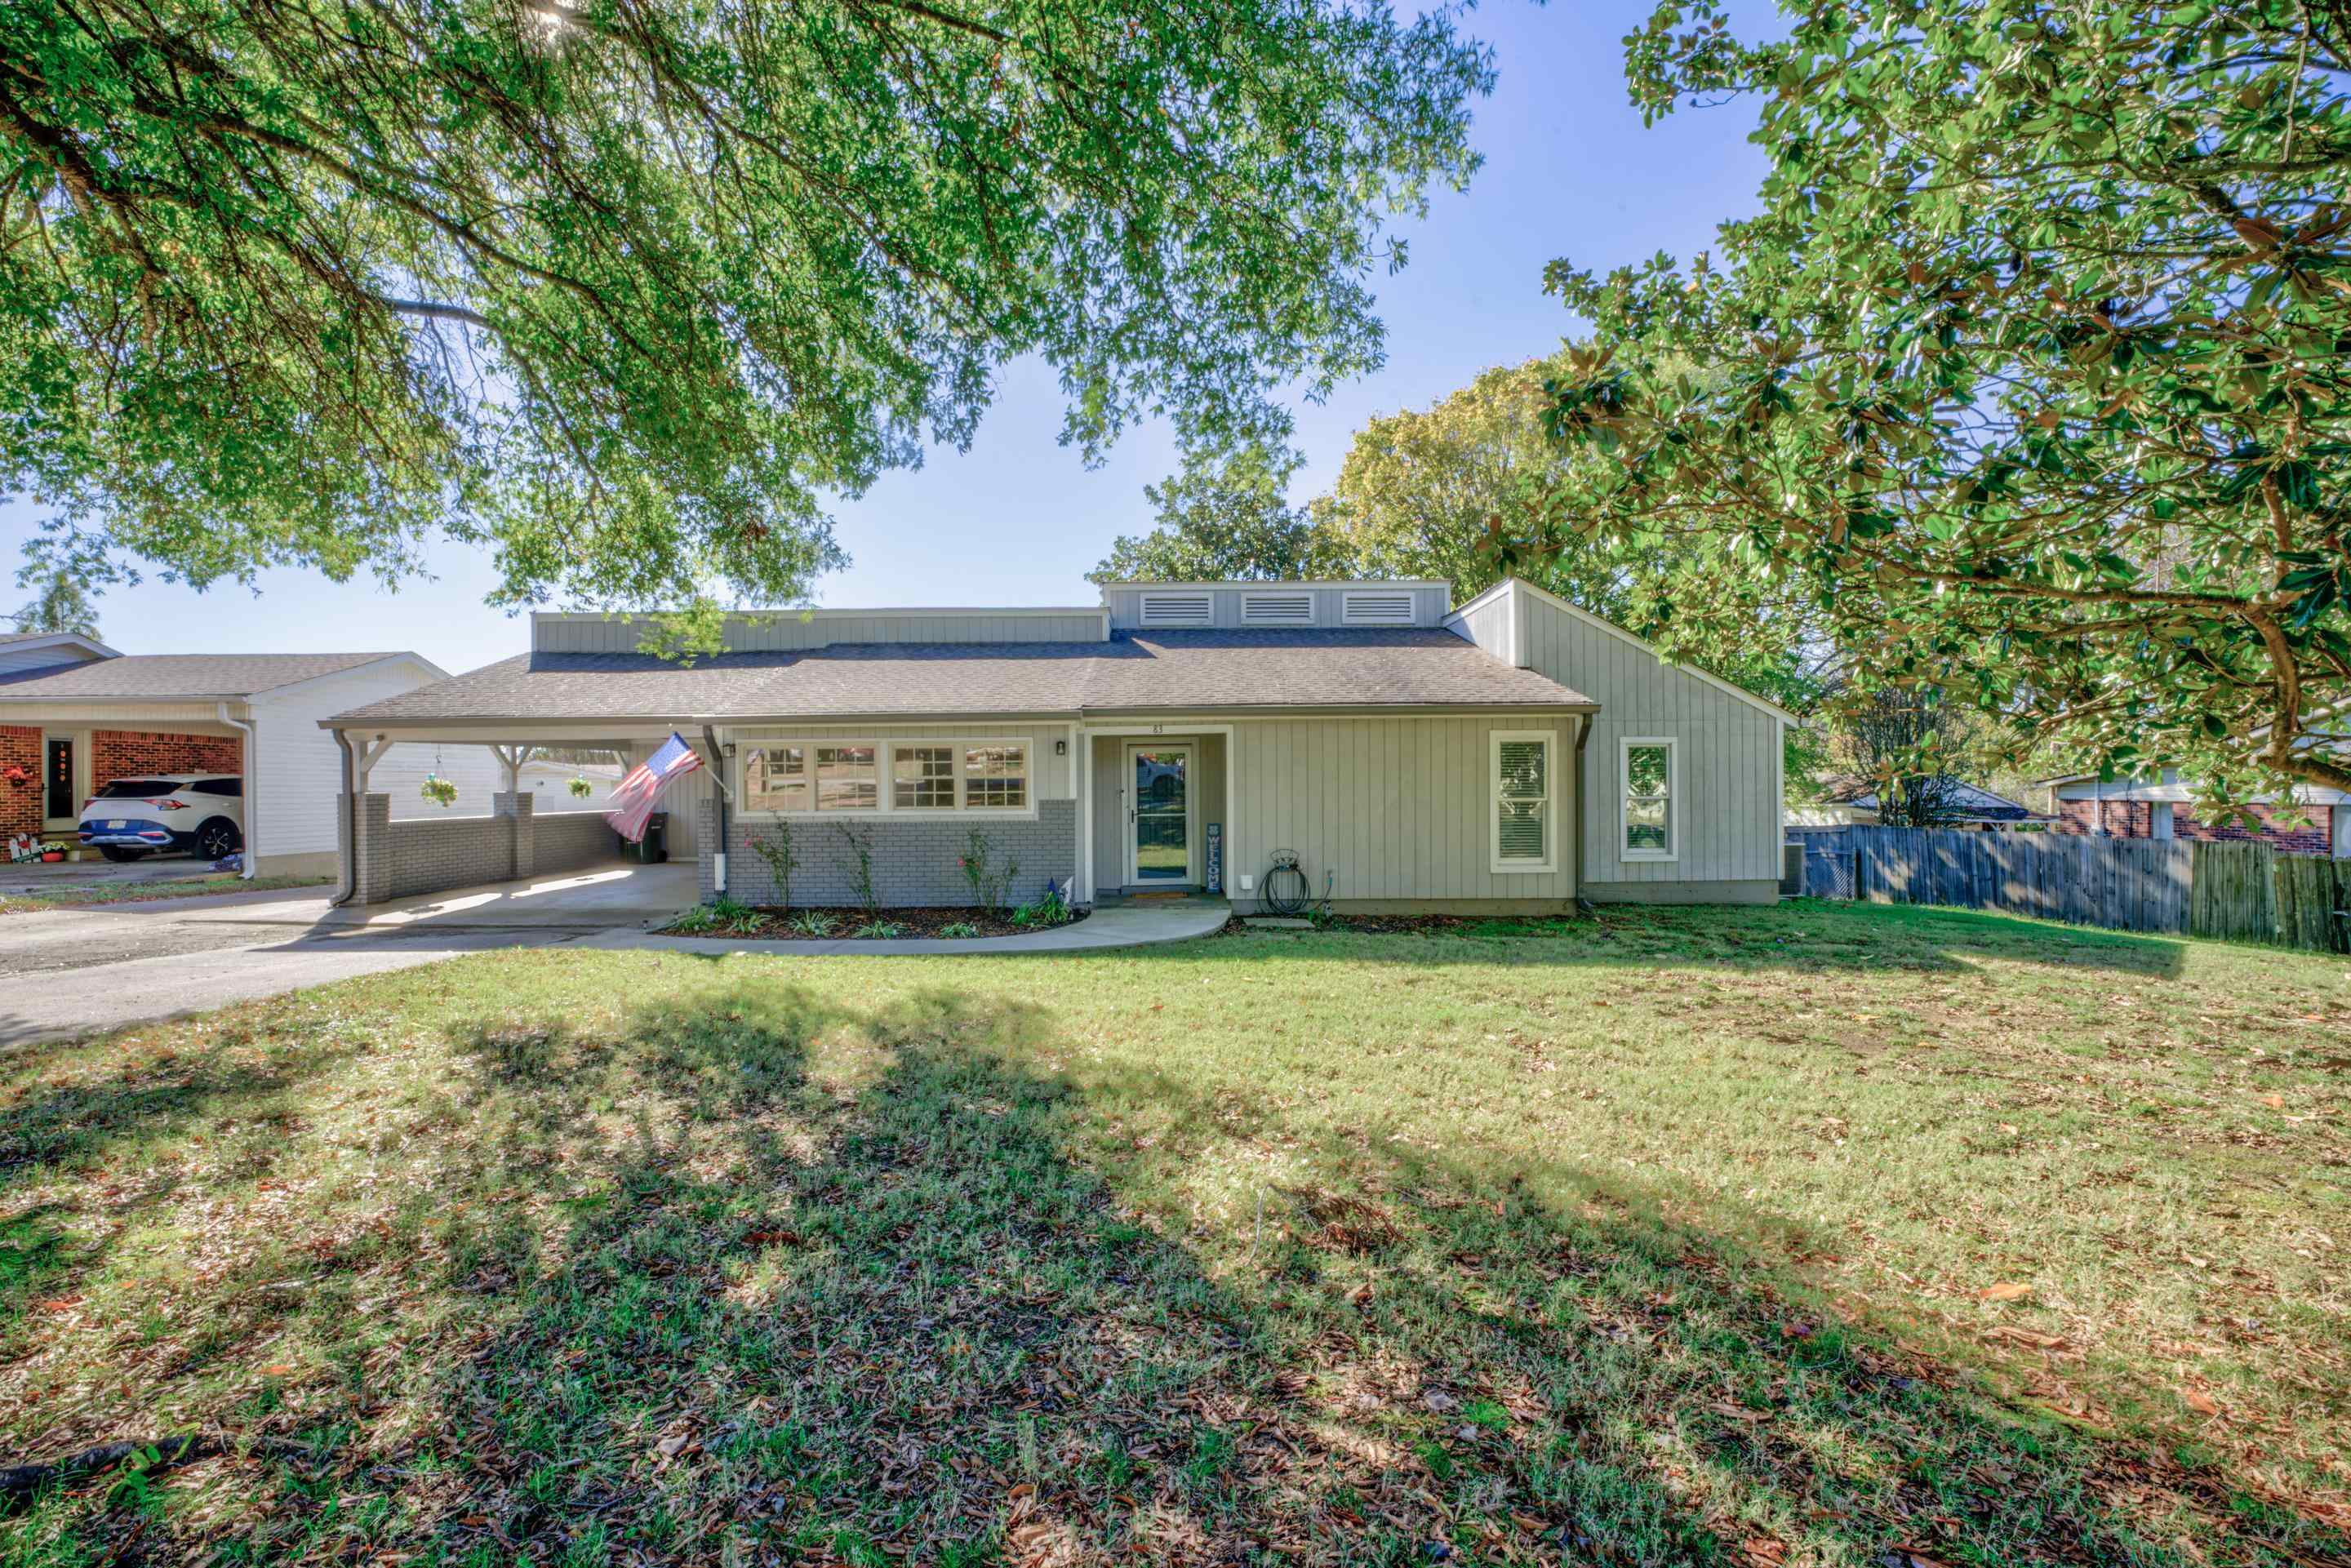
(522, 846)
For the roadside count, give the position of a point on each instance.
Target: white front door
(1161, 827)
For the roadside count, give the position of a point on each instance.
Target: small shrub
(991, 883)
(959, 929)
(721, 913)
(774, 847)
(1048, 909)
(695, 920)
(885, 930)
(861, 848)
(813, 925)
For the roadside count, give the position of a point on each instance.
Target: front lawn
(1817, 1234)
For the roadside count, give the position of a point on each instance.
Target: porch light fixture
(1061, 749)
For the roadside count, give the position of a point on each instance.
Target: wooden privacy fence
(2244, 890)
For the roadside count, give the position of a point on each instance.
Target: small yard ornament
(24, 847)
(439, 791)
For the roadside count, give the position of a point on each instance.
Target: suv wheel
(217, 838)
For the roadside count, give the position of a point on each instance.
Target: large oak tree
(623, 290)
(2031, 371)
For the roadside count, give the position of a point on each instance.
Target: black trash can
(654, 848)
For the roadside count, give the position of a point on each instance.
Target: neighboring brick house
(2320, 822)
(76, 714)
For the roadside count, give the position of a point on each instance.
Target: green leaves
(624, 293)
(2027, 372)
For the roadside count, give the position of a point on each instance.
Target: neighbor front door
(1161, 848)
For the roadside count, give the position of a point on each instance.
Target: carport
(516, 844)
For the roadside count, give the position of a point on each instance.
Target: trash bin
(654, 848)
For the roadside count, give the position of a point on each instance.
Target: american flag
(641, 791)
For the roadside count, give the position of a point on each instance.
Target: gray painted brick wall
(433, 854)
(916, 860)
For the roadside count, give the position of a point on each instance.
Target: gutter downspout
(248, 786)
(1583, 736)
(718, 798)
(350, 855)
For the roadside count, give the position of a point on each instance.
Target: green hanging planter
(439, 791)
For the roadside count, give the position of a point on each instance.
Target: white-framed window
(1525, 803)
(922, 778)
(846, 778)
(776, 779)
(1648, 775)
(916, 776)
(1376, 609)
(995, 777)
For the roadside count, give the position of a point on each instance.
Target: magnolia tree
(2030, 373)
(625, 291)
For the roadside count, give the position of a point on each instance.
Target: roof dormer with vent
(1275, 606)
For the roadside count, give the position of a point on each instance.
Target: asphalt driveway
(72, 971)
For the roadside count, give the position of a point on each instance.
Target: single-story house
(76, 714)
(1849, 800)
(2164, 808)
(1511, 753)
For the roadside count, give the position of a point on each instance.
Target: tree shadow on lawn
(1802, 935)
(756, 1279)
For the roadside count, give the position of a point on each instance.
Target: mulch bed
(777, 925)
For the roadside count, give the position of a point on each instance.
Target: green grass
(88, 895)
(1659, 1239)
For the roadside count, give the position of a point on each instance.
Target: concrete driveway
(74, 971)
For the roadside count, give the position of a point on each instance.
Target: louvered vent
(1175, 610)
(1378, 610)
(1277, 609)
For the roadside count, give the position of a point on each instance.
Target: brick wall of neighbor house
(2136, 820)
(20, 804)
(127, 753)
(916, 861)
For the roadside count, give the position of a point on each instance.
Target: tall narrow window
(995, 777)
(846, 779)
(776, 779)
(1648, 794)
(922, 779)
(1522, 801)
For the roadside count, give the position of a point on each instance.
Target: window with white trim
(846, 778)
(776, 779)
(1648, 777)
(921, 776)
(995, 777)
(1524, 812)
(922, 779)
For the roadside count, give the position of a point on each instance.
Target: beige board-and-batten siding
(1726, 798)
(1394, 812)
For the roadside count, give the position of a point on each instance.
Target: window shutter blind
(1525, 786)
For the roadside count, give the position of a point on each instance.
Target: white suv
(201, 814)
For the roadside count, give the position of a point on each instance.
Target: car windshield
(137, 789)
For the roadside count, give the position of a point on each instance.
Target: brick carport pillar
(516, 808)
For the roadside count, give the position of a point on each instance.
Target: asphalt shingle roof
(161, 677)
(1400, 668)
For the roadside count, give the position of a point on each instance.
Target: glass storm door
(1159, 813)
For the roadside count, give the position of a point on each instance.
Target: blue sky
(1018, 519)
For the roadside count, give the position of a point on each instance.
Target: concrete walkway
(1117, 925)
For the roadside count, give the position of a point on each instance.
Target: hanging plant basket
(438, 790)
(580, 787)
